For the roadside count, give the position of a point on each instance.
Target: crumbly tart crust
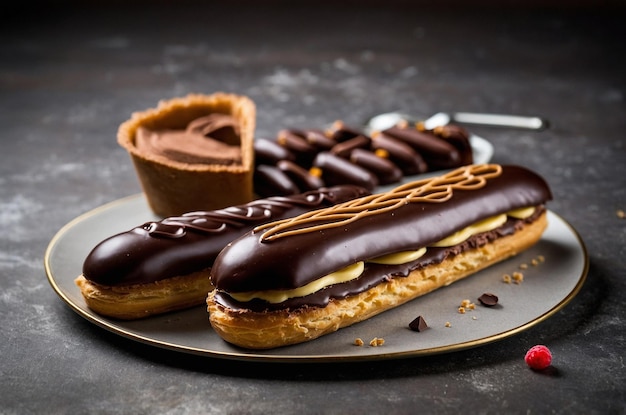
(172, 187)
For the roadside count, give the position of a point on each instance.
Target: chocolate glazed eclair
(164, 266)
(291, 281)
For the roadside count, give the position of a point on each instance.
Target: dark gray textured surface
(69, 77)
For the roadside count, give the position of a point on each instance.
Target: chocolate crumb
(488, 299)
(419, 324)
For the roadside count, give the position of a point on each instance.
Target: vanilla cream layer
(353, 271)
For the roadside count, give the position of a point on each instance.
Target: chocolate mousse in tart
(294, 280)
(194, 152)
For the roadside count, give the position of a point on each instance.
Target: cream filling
(522, 213)
(278, 296)
(398, 257)
(353, 271)
(465, 233)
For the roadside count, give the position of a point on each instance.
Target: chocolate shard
(488, 299)
(419, 324)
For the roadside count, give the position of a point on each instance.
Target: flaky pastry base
(266, 330)
(137, 301)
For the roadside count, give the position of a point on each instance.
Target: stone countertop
(70, 75)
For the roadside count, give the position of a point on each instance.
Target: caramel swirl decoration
(432, 190)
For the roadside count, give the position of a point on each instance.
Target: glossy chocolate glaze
(337, 170)
(459, 138)
(375, 274)
(272, 181)
(340, 132)
(344, 148)
(385, 170)
(251, 264)
(294, 141)
(270, 152)
(401, 154)
(437, 153)
(190, 243)
(300, 176)
(319, 140)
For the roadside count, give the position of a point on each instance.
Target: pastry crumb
(620, 214)
(466, 305)
(523, 266)
(358, 342)
(518, 277)
(376, 341)
(448, 324)
(506, 278)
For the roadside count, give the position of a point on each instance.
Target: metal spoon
(389, 119)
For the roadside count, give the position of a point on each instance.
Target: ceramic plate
(560, 271)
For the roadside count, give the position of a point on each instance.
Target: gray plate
(546, 288)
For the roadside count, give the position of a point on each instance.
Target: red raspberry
(538, 357)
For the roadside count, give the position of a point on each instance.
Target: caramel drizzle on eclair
(433, 190)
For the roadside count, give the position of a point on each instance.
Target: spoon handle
(500, 120)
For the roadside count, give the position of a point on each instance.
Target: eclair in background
(294, 280)
(164, 266)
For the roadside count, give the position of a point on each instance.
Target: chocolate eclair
(164, 266)
(354, 260)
